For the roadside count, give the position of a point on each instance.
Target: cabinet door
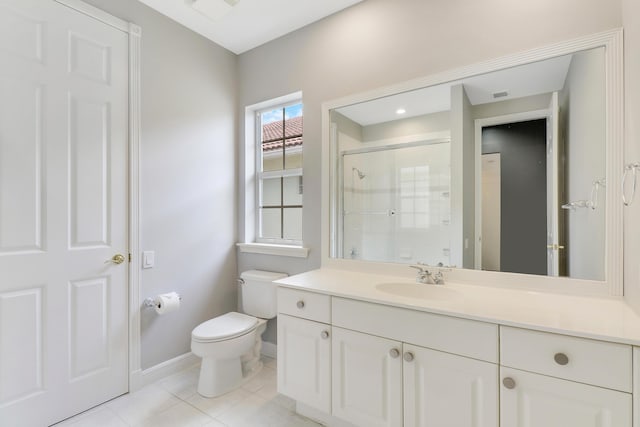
(304, 361)
(533, 400)
(367, 379)
(445, 390)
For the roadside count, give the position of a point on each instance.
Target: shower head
(361, 175)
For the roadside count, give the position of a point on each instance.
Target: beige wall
(188, 184)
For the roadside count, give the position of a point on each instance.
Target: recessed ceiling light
(401, 111)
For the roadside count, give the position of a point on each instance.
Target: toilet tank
(259, 293)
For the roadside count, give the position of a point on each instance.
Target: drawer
(307, 305)
(577, 359)
(470, 338)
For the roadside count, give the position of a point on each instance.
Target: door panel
(63, 212)
(304, 361)
(446, 390)
(89, 166)
(366, 379)
(21, 174)
(21, 348)
(541, 401)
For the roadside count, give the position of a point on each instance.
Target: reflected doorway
(514, 197)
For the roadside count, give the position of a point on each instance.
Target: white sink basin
(418, 290)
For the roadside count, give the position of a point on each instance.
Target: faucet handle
(420, 267)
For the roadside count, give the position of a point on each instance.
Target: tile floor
(174, 402)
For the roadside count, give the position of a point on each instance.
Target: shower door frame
(384, 145)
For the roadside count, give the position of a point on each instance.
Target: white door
(63, 212)
(491, 207)
(366, 379)
(540, 401)
(553, 187)
(445, 390)
(304, 361)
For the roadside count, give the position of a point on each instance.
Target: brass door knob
(117, 259)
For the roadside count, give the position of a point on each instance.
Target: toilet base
(222, 375)
(228, 376)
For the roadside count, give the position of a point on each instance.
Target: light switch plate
(148, 259)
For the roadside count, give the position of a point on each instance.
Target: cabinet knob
(324, 335)
(394, 352)
(509, 383)
(300, 304)
(408, 356)
(561, 359)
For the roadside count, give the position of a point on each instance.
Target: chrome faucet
(438, 278)
(424, 275)
(427, 277)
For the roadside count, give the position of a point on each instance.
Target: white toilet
(230, 344)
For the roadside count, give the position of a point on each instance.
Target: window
(279, 142)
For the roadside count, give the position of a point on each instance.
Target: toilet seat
(224, 327)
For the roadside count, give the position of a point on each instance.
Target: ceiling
(525, 80)
(249, 23)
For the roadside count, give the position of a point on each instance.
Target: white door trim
(135, 34)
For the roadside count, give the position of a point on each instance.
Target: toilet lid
(226, 326)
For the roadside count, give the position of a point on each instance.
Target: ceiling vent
(214, 9)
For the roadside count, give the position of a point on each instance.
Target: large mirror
(503, 171)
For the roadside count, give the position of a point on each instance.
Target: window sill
(272, 249)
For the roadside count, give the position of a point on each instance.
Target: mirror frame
(612, 41)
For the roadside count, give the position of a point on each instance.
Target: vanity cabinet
(381, 382)
(376, 365)
(304, 348)
(554, 380)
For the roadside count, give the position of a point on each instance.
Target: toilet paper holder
(152, 303)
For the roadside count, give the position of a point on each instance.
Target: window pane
(293, 156)
(270, 195)
(293, 190)
(270, 223)
(293, 135)
(272, 156)
(272, 136)
(293, 223)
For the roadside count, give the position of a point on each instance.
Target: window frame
(260, 176)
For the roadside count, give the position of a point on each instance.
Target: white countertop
(607, 319)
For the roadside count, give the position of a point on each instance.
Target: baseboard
(141, 378)
(269, 349)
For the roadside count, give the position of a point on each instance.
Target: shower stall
(395, 203)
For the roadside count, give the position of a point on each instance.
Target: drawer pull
(509, 383)
(300, 304)
(394, 353)
(408, 356)
(324, 335)
(561, 359)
